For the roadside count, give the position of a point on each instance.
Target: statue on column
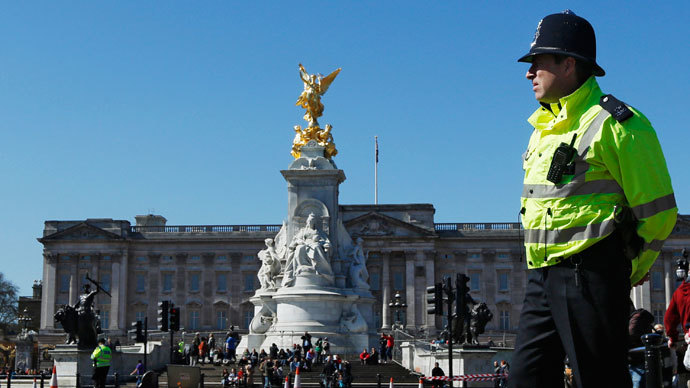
(308, 252)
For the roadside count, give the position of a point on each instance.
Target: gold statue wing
(326, 81)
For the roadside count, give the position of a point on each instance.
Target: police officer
(101, 357)
(597, 205)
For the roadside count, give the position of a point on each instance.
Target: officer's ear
(570, 67)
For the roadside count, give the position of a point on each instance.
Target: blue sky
(186, 109)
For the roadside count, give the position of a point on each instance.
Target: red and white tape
(476, 377)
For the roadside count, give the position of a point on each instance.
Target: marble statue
(270, 265)
(308, 252)
(359, 275)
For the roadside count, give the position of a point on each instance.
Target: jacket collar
(548, 115)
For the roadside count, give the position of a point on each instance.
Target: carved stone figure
(359, 275)
(270, 265)
(352, 321)
(308, 252)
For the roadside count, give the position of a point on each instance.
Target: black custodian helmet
(567, 34)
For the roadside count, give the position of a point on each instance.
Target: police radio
(561, 162)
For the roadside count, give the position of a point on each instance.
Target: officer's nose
(531, 73)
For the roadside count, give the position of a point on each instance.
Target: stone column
(115, 287)
(206, 280)
(74, 279)
(93, 274)
(153, 288)
(429, 280)
(410, 256)
(122, 305)
(669, 275)
(181, 284)
(385, 289)
(50, 288)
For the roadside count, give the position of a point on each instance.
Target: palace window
(221, 319)
(105, 281)
(503, 281)
(194, 282)
(374, 282)
(249, 282)
(399, 281)
(167, 282)
(105, 319)
(140, 315)
(141, 282)
(64, 283)
(248, 316)
(657, 280)
(222, 282)
(504, 320)
(222, 258)
(475, 280)
(195, 258)
(193, 319)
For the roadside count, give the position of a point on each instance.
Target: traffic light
(434, 299)
(461, 293)
(174, 318)
(138, 331)
(163, 315)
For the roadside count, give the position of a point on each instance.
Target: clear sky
(186, 109)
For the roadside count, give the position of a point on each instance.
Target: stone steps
(364, 376)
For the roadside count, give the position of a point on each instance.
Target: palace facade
(209, 271)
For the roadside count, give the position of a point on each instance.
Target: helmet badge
(536, 33)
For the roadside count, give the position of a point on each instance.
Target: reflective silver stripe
(581, 168)
(592, 130)
(541, 236)
(654, 207)
(655, 245)
(603, 186)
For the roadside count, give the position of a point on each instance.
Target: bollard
(378, 376)
(78, 380)
(9, 379)
(652, 360)
(42, 378)
(201, 381)
(117, 379)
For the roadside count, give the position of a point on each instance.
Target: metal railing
(205, 228)
(470, 226)
(439, 227)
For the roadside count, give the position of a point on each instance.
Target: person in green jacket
(597, 206)
(101, 357)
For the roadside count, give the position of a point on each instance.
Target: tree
(8, 303)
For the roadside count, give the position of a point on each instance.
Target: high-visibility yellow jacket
(617, 164)
(101, 355)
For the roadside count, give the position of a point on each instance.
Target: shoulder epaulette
(619, 111)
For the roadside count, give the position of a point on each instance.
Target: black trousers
(99, 376)
(580, 314)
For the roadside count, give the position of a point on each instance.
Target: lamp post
(24, 318)
(398, 305)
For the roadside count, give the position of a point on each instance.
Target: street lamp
(24, 318)
(398, 305)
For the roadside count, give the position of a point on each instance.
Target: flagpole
(376, 172)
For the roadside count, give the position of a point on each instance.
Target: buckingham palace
(210, 271)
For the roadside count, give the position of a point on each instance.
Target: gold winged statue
(315, 85)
